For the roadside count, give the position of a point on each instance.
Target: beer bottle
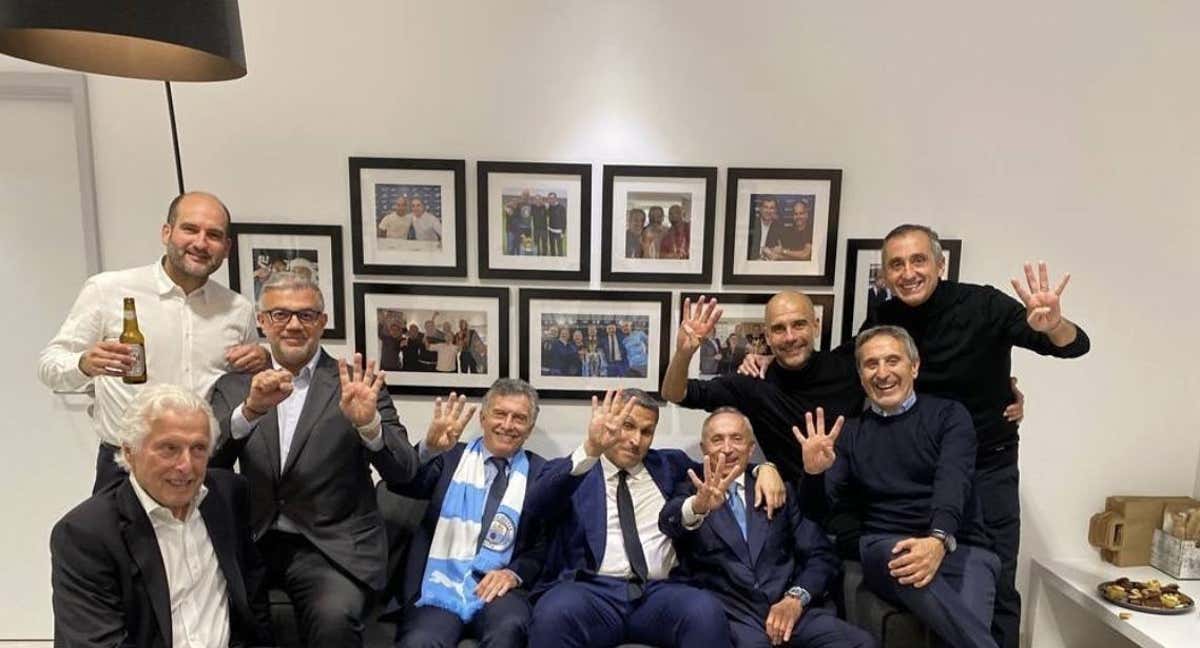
(137, 343)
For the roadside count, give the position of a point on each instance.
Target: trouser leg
(999, 496)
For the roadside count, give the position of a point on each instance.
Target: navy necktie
(495, 494)
(629, 529)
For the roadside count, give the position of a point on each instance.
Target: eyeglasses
(283, 315)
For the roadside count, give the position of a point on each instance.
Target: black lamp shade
(166, 40)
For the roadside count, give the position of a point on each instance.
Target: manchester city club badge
(500, 534)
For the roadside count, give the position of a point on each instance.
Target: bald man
(196, 330)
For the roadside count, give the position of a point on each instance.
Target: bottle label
(139, 360)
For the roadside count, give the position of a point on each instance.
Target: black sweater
(965, 334)
(910, 473)
(774, 405)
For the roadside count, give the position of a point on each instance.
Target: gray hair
(910, 228)
(640, 397)
(290, 281)
(725, 409)
(895, 332)
(149, 406)
(513, 387)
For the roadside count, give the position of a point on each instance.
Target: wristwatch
(800, 594)
(948, 540)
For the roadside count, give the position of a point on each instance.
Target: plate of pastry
(1150, 596)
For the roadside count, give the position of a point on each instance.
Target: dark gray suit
(110, 586)
(326, 490)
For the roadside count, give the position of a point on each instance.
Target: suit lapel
(661, 473)
(595, 511)
(325, 384)
(142, 543)
(727, 529)
(270, 425)
(756, 522)
(220, 532)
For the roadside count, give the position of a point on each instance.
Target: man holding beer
(193, 330)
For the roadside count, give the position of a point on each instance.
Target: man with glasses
(306, 433)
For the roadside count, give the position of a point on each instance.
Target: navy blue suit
(577, 607)
(504, 621)
(751, 574)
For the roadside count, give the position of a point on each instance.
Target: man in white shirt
(397, 223)
(306, 434)
(426, 226)
(195, 329)
(605, 581)
(164, 558)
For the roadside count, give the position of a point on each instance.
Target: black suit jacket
(752, 574)
(110, 585)
(431, 482)
(326, 486)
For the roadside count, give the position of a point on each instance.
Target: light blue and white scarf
(449, 581)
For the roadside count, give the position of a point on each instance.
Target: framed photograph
(534, 220)
(262, 249)
(658, 224)
(408, 216)
(433, 339)
(864, 288)
(781, 226)
(576, 343)
(742, 330)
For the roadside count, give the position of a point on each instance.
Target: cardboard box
(1179, 558)
(1124, 532)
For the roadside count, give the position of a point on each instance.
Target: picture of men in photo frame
(658, 225)
(432, 341)
(781, 227)
(268, 261)
(587, 345)
(408, 217)
(535, 221)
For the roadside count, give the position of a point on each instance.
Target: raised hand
(106, 358)
(1043, 306)
(818, 448)
(755, 365)
(267, 389)
(608, 419)
(699, 322)
(450, 418)
(711, 492)
(360, 390)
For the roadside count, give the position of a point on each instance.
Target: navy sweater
(910, 473)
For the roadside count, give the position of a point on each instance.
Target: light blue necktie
(737, 505)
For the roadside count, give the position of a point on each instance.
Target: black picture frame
(446, 261)
(823, 303)
(245, 261)
(853, 281)
(492, 303)
(495, 260)
(819, 189)
(610, 224)
(554, 303)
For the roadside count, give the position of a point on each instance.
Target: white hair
(285, 280)
(149, 406)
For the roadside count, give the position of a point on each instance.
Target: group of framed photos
(409, 217)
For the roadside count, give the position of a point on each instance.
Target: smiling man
(908, 465)
(306, 434)
(164, 558)
(195, 329)
(478, 551)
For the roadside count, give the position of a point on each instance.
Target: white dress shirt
(394, 225)
(288, 413)
(187, 336)
(427, 227)
(199, 598)
(648, 502)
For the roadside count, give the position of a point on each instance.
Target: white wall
(1062, 131)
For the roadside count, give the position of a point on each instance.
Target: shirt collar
(156, 511)
(166, 286)
(904, 407)
(307, 370)
(611, 469)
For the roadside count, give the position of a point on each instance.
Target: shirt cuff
(688, 515)
(239, 426)
(425, 455)
(376, 444)
(581, 462)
